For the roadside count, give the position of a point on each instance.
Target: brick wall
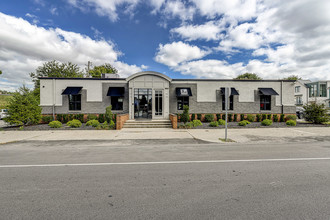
(120, 120)
(174, 120)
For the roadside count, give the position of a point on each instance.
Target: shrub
(23, 108)
(91, 117)
(79, 117)
(214, 124)
(242, 117)
(282, 118)
(101, 118)
(258, 117)
(112, 125)
(291, 123)
(221, 122)
(263, 117)
(94, 123)
(275, 118)
(197, 123)
(104, 125)
(115, 118)
(267, 122)
(108, 114)
(55, 124)
(209, 117)
(193, 116)
(230, 117)
(250, 118)
(242, 123)
(185, 115)
(235, 117)
(199, 117)
(218, 117)
(223, 117)
(47, 118)
(189, 125)
(316, 113)
(74, 123)
(291, 117)
(269, 116)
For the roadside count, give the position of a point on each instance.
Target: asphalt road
(118, 180)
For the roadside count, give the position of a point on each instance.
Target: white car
(3, 113)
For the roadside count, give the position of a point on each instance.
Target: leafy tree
(97, 71)
(249, 76)
(0, 72)
(23, 108)
(293, 77)
(316, 113)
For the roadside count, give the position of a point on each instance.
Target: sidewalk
(291, 134)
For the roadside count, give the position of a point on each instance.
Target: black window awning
(267, 91)
(183, 92)
(232, 92)
(116, 91)
(71, 91)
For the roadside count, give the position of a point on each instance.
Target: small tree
(316, 113)
(185, 115)
(249, 76)
(23, 108)
(97, 71)
(108, 114)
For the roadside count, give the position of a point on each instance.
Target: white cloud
(178, 52)
(24, 47)
(53, 11)
(106, 7)
(208, 31)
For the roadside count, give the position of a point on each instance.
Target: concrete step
(148, 124)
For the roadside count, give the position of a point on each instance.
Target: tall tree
(249, 76)
(0, 72)
(55, 69)
(23, 108)
(97, 71)
(292, 77)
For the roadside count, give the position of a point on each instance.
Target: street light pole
(227, 95)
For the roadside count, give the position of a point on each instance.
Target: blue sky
(180, 38)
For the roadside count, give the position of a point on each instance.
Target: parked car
(3, 113)
(300, 111)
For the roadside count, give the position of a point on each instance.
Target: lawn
(4, 99)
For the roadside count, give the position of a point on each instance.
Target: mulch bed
(45, 127)
(206, 125)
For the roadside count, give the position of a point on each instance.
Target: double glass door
(143, 103)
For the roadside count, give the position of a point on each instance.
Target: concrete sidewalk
(291, 134)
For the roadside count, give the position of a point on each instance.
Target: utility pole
(227, 95)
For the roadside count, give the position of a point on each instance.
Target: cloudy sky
(180, 38)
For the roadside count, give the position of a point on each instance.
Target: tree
(249, 76)
(23, 108)
(97, 71)
(292, 77)
(54, 69)
(315, 113)
(0, 72)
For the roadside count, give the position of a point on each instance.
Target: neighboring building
(319, 92)
(301, 92)
(154, 95)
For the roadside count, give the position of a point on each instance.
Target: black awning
(116, 91)
(183, 92)
(232, 92)
(71, 91)
(267, 91)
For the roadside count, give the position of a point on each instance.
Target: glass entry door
(158, 102)
(143, 103)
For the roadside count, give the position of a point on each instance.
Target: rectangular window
(182, 100)
(323, 90)
(265, 102)
(158, 102)
(299, 100)
(231, 103)
(75, 102)
(312, 90)
(297, 89)
(117, 103)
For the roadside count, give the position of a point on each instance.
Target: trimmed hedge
(221, 122)
(242, 117)
(196, 123)
(55, 124)
(250, 117)
(259, 117)
(235, 117)
(291, 117)
(214, 124)
(291, 123)
(244, 123)
(47, 118)
(267, 122)
(94, 123)
(209, 117)
(275, 118)
(75, 123)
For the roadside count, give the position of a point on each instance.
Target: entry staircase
(148, 124)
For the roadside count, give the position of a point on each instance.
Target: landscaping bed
(44, 127)
(206, 125)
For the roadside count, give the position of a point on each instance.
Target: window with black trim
(75, 102)
(182, 100)
(265, 102)
(231, 103)
(117, 102)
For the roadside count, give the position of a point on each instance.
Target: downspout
(54, 100)
(282, 107)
